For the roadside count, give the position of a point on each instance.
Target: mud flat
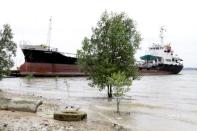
(43, 118)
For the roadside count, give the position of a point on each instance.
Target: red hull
(145, 72)
(45, 69)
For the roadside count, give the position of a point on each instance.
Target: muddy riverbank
(43, 119)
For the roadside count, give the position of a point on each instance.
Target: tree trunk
(118, 105)
(109, 90)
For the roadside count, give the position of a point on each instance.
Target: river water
(159, 103)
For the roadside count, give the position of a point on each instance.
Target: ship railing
(180, 63)
(54, 49)
(149, 65)
(146, 65)
(177, 63)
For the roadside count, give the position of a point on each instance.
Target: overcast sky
(72, 20)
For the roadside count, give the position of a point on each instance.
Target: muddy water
(170, 102)
(154, 103)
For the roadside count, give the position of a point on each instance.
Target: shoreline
(97, 119)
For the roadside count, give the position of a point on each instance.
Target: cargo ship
(160, 59)
(41, 60)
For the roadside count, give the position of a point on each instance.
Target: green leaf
(110, 51)
(7, 50)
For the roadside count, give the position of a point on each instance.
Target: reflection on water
(159, 103)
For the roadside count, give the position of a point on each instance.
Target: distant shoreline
(189, 68)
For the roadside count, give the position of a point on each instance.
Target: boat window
(169, 60)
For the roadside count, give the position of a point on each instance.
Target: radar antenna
(162, 30)
(49, 32)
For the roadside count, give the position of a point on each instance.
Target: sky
(72, 20)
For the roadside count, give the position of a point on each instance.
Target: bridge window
(169, 60)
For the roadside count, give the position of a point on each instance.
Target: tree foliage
(121, 84)
(110, 49)
(7, 50)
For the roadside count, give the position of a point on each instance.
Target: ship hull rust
(48, 69)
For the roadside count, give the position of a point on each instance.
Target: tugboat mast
(49, 32)
(162, 30)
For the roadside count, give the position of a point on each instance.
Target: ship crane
(162, 30)
(49, 33)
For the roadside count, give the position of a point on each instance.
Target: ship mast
(49, 32)
(162, 30)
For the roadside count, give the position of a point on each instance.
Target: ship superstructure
(161, 59)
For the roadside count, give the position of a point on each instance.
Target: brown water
(154, 103)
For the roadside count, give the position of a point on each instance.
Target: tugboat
(160, 59)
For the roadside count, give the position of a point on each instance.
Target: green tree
(110, 49)
(121, 84)
(7, 50)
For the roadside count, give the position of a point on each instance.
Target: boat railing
(54, 49)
